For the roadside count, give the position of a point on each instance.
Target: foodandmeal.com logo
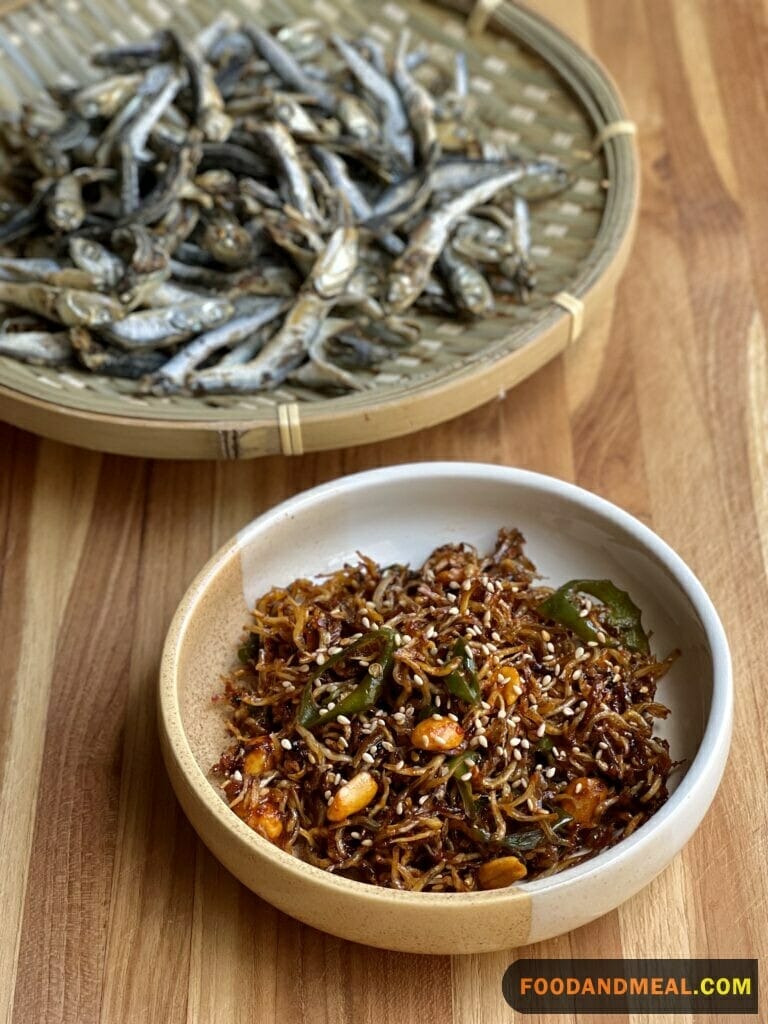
(639, 986)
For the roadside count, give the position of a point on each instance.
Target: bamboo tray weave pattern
(533, 85)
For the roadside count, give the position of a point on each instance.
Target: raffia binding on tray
(480, 15)
(614, 129)
(289, 425)
(575, 307)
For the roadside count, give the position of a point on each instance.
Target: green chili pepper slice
(463, 682)
(526, 839)
(456, 767)
(621, 613)
(363, 696)
(249, 651)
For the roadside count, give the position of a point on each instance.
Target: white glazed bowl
(400, 514)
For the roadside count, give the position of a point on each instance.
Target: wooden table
(112, 910)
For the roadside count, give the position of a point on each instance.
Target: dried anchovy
(556, 756)
(230, 165)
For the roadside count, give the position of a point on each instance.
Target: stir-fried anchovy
(254, 207)
(446, 728)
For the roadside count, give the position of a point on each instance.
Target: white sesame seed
(542, 729)
(485, 705)
(237, 776)
(343, 720)
(568, 712)
(487, 619)
(525, 744)
(583, 704)
(546, 681)
(579, 652)
(453, 585)
(286, 744)
(335, 650)
(515, 741)
(531, 804)
(466, 776)
(578, 788)
(517, 755)
(603, 745)
(482, 740)
(451, 598)
(331, 706)
(500, 750)
(601, 637)
(337, 779)
(355, 835)
(399, 808)
(495, 637)
(328, 794)
(417, 680)
(368, 758)
(577, 675)
(366, 622)
(551, 647)
(320, 658)
(400, 764)
(466, 585)
(287, 684)
(576, 748)
(545, 636)
(592, 643)
(367, 842)
(550, 772)
(452, 612)
(502, 714)
(437, 717)
(423, 799)
(584, 613)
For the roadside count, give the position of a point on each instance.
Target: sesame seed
(328, 794)
(343, 743)
(286, 744)
(583, 704)
(601, 637)
(525, 744)
(454, 718)
(237, 776)
(399, 809)
(485, 705)
(545, 636)
(568, 712)
(500, 750)
(451, 598)
(453, 585)
(331, 706)
(355, 835)
(482, 740)
(591, 643)
(502, 714)
(343, 720)
(368, 758)
(550, 772)
(577, 675)
(487, 619)
(531, 804)
(423, 799)
(429, 632)
(320, 658)
(517, 755)
(466, 776)
(335, 650)
(452, 612)
(578, 788)
(603, 745)
(466, 585)
(400, 764)
(437, 717)
(418, 681)
(367, 842)
(337, 779)
(542, 729)
(584, 613)
(515, 741)
(546, 681)
(576, 748)
(551, 647)
(579, 652)
(495, 637)
(366, 622)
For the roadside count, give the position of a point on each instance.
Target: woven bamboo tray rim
(255, 425)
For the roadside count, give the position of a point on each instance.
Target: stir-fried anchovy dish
(446, 729)
(252, 207)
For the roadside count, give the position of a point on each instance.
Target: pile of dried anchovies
(250, 207)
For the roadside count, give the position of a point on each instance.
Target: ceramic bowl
(400, 514)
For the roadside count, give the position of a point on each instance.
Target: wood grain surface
(112, 911)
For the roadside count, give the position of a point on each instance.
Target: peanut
(511, 682)
(260, 757)
(582, 798)
(353, 796)
(496, 874)
(437, 734)
(264, 818)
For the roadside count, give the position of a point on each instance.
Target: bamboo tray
(533, 84)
